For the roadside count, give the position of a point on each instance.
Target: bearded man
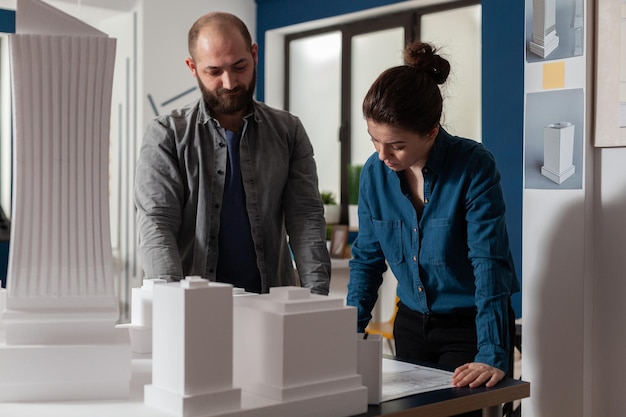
(226, 188)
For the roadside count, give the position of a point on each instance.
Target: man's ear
(192, 66)
(255, 53)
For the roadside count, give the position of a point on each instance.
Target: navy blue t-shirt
(237, 259)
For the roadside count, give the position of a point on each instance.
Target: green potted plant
(332, 210)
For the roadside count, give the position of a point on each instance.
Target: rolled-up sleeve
(158, 198)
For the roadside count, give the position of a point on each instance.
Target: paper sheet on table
(401, 379)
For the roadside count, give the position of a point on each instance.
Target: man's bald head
(219, 21)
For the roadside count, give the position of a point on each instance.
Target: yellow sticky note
(554, 75)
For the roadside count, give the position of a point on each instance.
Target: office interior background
(567, 243)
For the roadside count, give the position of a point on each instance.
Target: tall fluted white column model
(61, 341)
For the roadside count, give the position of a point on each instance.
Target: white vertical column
(544, 39)
(192, 351)
(558, 152)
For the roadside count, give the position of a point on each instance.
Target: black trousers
(447, 340)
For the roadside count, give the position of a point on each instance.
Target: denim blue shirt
(455, 255)
(179, 188)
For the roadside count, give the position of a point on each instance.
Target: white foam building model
(192, 352)
(280, 354)
(61, 342)
(140, 327)
(299, 349)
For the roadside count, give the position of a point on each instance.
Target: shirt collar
(205, 114)
(437, 157)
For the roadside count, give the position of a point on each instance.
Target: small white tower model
(558, 151)
(140, 327)
(192, 355)
(61, 341)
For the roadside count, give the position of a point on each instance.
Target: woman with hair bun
(431, 208)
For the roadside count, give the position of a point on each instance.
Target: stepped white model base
(342, 403)
(544, 47)
(558, 177)
(65, 372)
(209, 404)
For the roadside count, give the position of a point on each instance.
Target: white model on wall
(558, 151)
(61, 308)
(544, 39)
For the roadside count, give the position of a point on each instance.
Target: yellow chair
(385, 328)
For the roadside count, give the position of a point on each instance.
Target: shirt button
(414, 258)
(420, 289)
(425, 201)
(219, 171)
(217, 206)
(222, 144)
(415, 229)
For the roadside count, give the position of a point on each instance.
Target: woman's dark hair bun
(423, 57)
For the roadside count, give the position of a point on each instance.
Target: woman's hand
(475, 374)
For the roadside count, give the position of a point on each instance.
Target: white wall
(574, 266)
(558, 269)
(609, 286)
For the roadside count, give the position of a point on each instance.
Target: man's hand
(475, 374)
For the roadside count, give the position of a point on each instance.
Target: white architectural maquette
(299, 349)
(61, 342)
(192, 354)
(220, 352)
(544, 38)
(140, 327)
(558, 151)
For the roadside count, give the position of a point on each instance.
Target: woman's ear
(433, 132)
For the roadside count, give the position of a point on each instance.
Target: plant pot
(353, 216)
(332, 213)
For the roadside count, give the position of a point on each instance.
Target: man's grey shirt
(179, 185)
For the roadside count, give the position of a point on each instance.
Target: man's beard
(225, 101)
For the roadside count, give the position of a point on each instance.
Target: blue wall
(502, 83)
(7, 21)
(7, 25)
(503, 109)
